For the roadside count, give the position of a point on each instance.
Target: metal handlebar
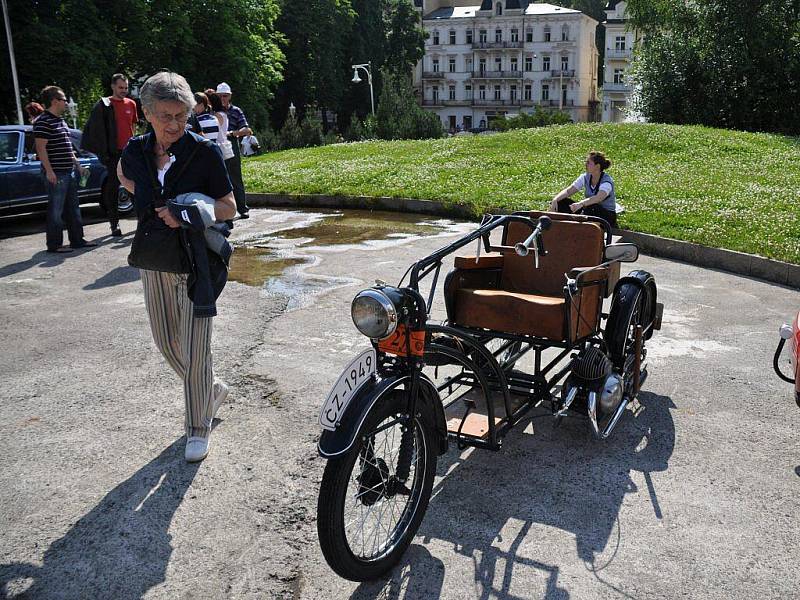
(523, 248)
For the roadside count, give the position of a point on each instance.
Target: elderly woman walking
(157, 167)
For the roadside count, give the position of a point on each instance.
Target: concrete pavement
(695, 495)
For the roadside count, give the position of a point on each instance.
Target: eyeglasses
(166, 119)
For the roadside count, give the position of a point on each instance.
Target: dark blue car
(21, 183)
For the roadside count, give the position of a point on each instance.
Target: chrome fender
(333, 444)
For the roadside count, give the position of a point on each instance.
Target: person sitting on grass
(599, 197)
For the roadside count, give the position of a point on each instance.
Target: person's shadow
(491, 505)
(118, 550)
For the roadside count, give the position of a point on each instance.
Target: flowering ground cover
(722, 188)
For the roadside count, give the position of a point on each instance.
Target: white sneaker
(220, 393)
(196, 448)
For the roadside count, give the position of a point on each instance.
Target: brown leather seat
(507, 293)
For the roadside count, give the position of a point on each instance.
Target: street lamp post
(13, 62)
(292, 109)
(367, 67)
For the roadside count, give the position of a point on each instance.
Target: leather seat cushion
(511, 312)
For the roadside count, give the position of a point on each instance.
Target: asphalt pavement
(694, 495)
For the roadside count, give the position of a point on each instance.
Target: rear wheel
(627, 312)
(373, 499)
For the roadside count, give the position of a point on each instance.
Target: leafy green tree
(367, 43)
(723, 63)
(317, 71)
(290, 135)
(405, 38)
(399, 117)
(538, 118)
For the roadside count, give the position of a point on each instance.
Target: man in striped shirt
(237, 128)
(54, 147)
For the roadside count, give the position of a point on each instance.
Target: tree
(79, 44)
(405, 38)
(367, 43)
(316, 71)
(399, 116)
(723, 63)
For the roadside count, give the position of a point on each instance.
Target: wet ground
(695, 495)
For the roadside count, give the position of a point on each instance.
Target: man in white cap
(237, 128)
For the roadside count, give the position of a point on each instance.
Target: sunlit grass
(716, 187)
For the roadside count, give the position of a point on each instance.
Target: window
(514, 64)
(435, 93)
(619, 43)
(564, 94)
(482, 65)
(565, 63)
(469, 36)
(498, 10)
(9, 146)
(452, 37)
(528, 92)
(513, 95)
(451, 65)
(545, 63)
(451, 92)
(619, 76)
(545, 92)
(468, 91)
(498, 35)
(435, 38)
(515, 35)
(529, 35)
(497, 92)
(529, 63)
(435, 63)
(482, 92)
(469, 65)
(498, 64)
(482, 36)
(452, 122)
(547, 33)
(565, 33)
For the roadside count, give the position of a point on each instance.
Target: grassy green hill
(716, 187)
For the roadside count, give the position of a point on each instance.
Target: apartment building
(493, 58)
(619, 47)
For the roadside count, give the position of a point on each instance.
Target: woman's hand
(576, 206)
(166, 216)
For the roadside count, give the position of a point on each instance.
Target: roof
(612, 4)
(458, 12)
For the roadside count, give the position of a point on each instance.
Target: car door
(9, 161)
(26, 185)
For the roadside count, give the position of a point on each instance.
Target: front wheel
(373, 498)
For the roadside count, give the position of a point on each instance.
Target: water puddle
(274, 249)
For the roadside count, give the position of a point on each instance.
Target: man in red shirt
(111, 124)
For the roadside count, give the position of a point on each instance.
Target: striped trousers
(184, 341)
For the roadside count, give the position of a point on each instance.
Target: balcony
(432, 102)
(616, 87)
(557, 103)
(556, 73)
(464, 102)
(618, 54)
(495, 45)
(497, 74)
(433, 74)
(478, 102)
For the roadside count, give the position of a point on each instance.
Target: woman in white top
(599, 194)
(222, 121)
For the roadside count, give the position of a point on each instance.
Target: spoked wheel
(627, 312)
(373, 499)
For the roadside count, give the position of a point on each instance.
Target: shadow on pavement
(118, 550)
(116, 276)
(419, 575)
(489, 506)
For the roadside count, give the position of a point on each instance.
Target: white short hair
(166, 86)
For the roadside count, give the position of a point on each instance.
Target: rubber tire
(623, 306)
(335, 480)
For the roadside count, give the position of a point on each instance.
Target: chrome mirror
(622, 252)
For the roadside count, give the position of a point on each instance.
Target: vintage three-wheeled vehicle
(524, 327)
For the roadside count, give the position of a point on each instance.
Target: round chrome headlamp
(374, 314)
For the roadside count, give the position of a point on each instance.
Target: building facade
(618, 55)
(503, 57)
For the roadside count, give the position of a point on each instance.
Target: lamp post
(367, 67)
(13, 62)
(72, 107)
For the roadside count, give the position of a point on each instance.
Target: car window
(9, 144)
(30, 146)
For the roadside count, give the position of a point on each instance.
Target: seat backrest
(569, 244)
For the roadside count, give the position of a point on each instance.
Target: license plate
(353, 377)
